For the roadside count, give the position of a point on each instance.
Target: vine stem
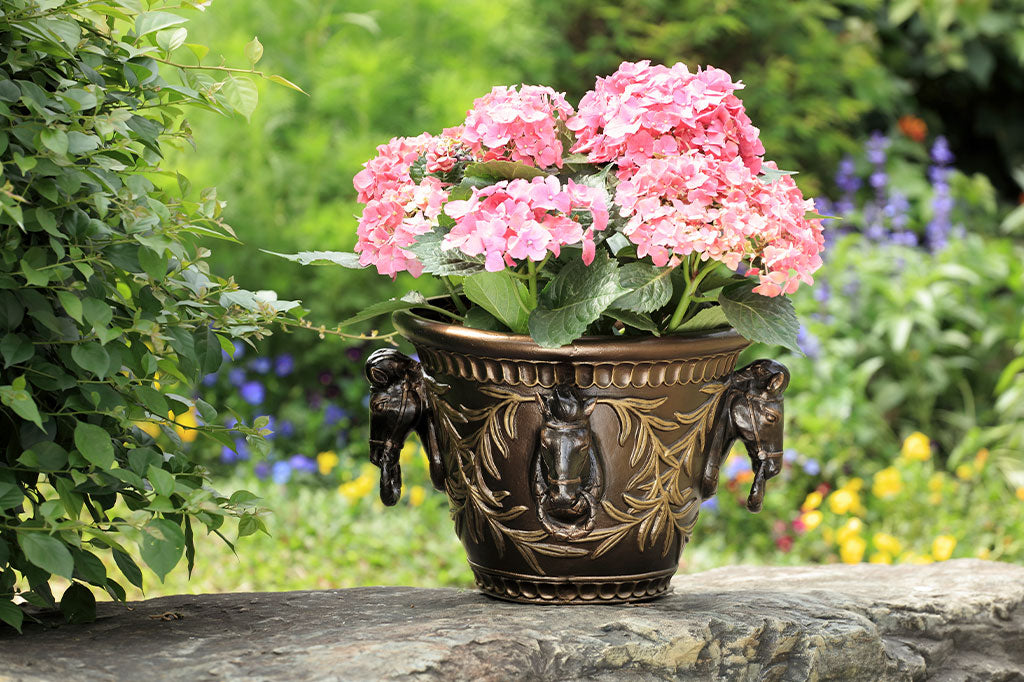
(692, 282)
(532, 282)
(459, 305)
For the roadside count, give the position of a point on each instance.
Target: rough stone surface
(960, 620)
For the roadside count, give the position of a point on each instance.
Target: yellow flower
(943, 546)
(828, 535)
(852, 550)
(408, 452)
(850, 529)
(854, 484)
(964, 471)
(887, 483)
(811, 502)
(1020, 493)
(811, 519)
(983, 553)
(980, 458)
(357, 488)
(935, 499)
(917, 447)
(919, 559)
(880, 558)
(156, 380)
(843, 501)
(153, 430)
(416, 495)
(326, 461)
(886, 543)
(936, 481)
(186, 425)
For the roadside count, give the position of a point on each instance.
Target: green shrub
(108, 310)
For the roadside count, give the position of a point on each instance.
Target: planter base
(533, 589)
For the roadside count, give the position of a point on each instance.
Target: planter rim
(501, 345)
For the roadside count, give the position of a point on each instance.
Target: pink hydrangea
(517, 125)
(389, 170)
(443, 152)
(391, 223)
(643, 111)
(694, 203)
(516, 220)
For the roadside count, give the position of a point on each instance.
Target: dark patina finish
(575, 474)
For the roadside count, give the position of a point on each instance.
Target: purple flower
(260, 365)
(302, 463)
(876, 146)
(846, 176)
(261, 470)
(940, 152)
(808, 343)
(904, 238)
(281, 472)
(878, 179)
(789, 455)
(239, 453)
(236, 376)
(736, 465)
(822, 292)
(252, 392)
(325, 378)
(230, 422)
(342, 439)
(811, 467)
(287, 429)
(354, 354)
(711, 504)
(334, 414)
(210, 379)
(284, 364)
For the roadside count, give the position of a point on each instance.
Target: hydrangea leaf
(500, 294)
(705, 318)
(443, 262)
(763, 319)
(649, 287)
(575, 298)
(503, 170)
(636, 320)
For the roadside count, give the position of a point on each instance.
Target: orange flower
(913, 127)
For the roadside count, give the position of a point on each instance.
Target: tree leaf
(91, 356)
(649, 286)
(705, 318)
(163, 543)
(500, 294)
(162, 481)
(147, 22)
(94, 444)
(78, 604)
(281, 80)
(54, 139)
(47, 552)
(254, 51)
(128, 567)
(413, 299)
(208, 352)
(241, 94)
(574, 299)
(20, 400)
(342, 258)
(503, 170)
(16, 348)
(72, 304)
(11, 614)
(763, 319)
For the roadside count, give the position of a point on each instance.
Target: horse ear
(589, 405)
(778, 382)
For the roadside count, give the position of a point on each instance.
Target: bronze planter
(576, 474)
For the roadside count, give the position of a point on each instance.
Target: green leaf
(153, 400)
(649, 287)
(155, 264)
(92, 356)
(641, 321)
(163, 543)
(573, 300)
(11, 614)
(500, 294)
(72, 304)
(128, 567)
(342, 258)
(148, 22)
(20, 400)
(78, 604)
(413, 299)
(770, 175)
(172, 39)
(89, 567)
(97, 312)
(503, 170)
(247, 525)
(48, 456)
(443, 262)
(281, 80)
(162, 481)
(16, 348)
(705, 318)
(253, 51)
(208, 354)
(10, 494)
(763, 319)
(54, 139)
(241, 94)
(47, 552)
(478, 318)
(94, 444)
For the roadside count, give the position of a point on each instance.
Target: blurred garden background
(906, 119)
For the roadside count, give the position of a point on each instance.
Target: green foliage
(108, 310)
(770, 321)
(574, 299)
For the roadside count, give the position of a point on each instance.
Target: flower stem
(532, 282)
(692, 282)
(459, 305)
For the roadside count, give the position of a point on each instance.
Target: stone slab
(959, 620)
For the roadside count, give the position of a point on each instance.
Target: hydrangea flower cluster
(643, 111)
(518, 125)
(514, 220)
(695, 203)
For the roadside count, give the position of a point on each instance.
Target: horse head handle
(398, 405)
(752, 412)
